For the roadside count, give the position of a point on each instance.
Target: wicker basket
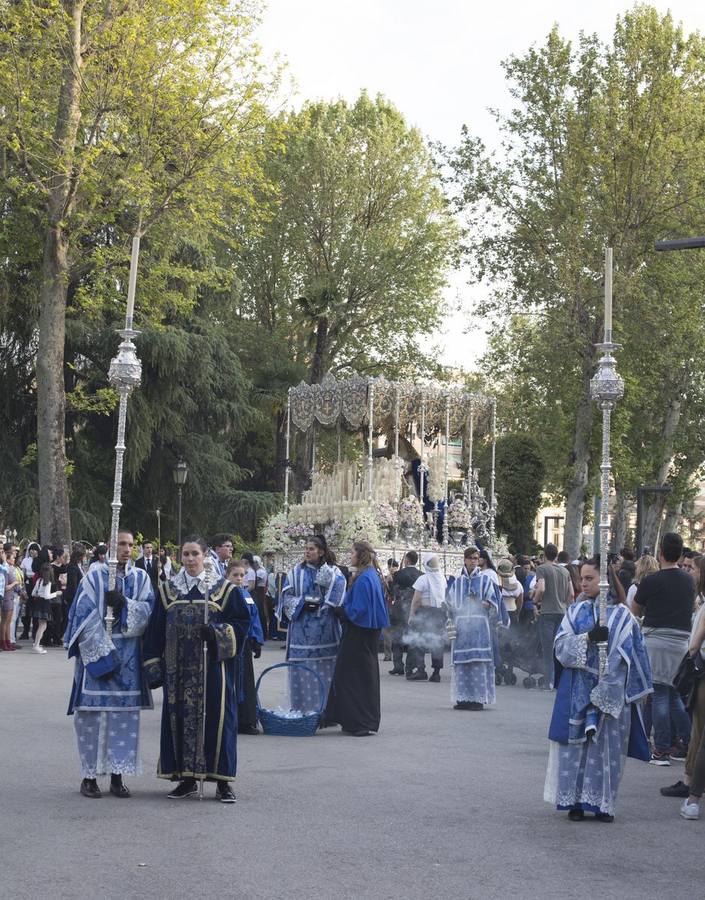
(305, 726)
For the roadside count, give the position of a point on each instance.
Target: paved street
(439, 804)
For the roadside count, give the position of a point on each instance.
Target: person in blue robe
(354, 700)
(220, 552)
(108, 689)
(247, 695)
(174, 659)
(596, 721)
(476, 609)
(313, 590)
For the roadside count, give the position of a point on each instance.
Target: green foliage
(520, 473)
(603, 147)
(343, 257)
(273, 249)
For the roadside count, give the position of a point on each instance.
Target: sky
(440, 64)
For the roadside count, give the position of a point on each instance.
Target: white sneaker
(690, 810)
(38, 650)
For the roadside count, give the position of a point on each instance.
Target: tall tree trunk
(578, 481)
(621, 518)
(55, 523)
(674, 515)
(320, 351)
(657, 504)
(305, 447)
(54, 513)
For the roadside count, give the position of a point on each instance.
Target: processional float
(374, 406)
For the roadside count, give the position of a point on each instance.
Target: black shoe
(576, 815)
(224, 794)
(396, 671)
(679, 789)
(117, 787)
(187, 788)
(363, 732)
(604, 817)
(90, 789)
(462, 704)
(247, 729)
(435, 677)
(24, 636)
(418, 675)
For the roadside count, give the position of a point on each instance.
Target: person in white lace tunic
(109, 689)
(596, 722)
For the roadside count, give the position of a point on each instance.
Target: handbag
(688, 674)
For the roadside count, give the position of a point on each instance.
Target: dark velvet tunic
(174, 659)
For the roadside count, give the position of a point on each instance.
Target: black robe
(173, 653)
(354, 698)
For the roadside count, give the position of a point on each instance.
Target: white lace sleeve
(94, 642)
(137, 618)
(571, 650)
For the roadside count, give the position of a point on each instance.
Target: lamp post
(180, 474)
(692, 243)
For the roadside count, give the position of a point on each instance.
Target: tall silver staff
(208, 566)
(159, 544)
(124, 374)
(606, 389)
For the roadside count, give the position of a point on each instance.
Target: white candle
(132, 283)
(608, 294)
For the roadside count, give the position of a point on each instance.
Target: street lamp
(694, 243)
(180, 474)
(691, 243)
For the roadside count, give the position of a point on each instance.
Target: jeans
(398, 656)
(667, 707)
(549, 623)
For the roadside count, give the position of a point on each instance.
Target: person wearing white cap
(426, 623)
(512, 591)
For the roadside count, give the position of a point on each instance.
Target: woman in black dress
(354, 701)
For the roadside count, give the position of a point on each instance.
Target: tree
(118, 116)
(603, 147)
(520, 473)
(343, 257)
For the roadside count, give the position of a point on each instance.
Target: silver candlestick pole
(422, 466)
(370, 432)
(124, 374)
(446, 475)
(606, 389)
(288, 451)
(493, 496)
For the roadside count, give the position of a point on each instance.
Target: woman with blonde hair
(354, 701)
(646, 565)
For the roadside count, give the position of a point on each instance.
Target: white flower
(410, 512)
(459, 515)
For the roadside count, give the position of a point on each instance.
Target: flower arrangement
(459, 515)
(359, 526)
(331, 532)
(386, 515)
(411, 513)
(500, 547)
(300, 530)
(274, 534)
